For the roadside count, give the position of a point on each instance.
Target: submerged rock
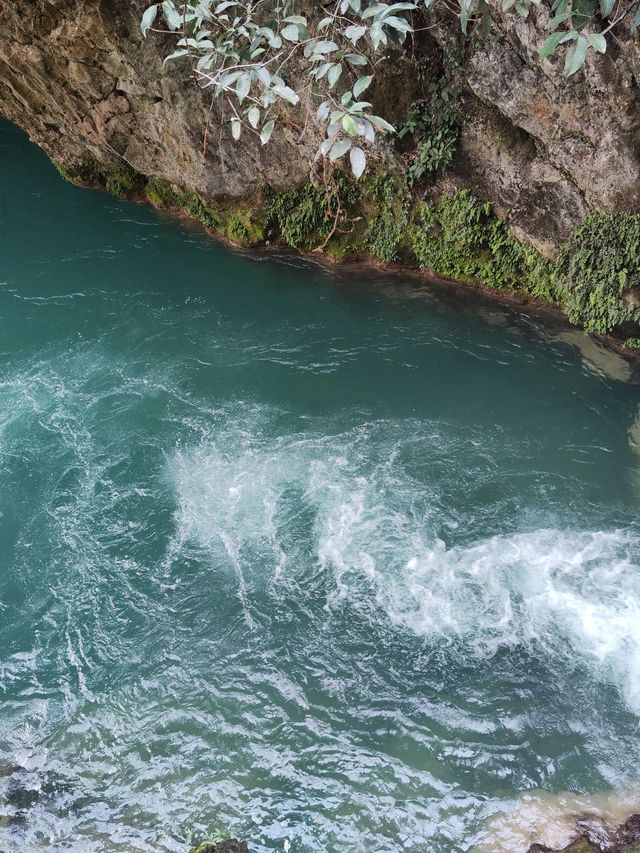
(596, 837)
(230, 845)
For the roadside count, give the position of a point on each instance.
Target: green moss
(596, 265)
(461, 238)
(245, 227)
(161, 193)
(306, 218)
(123, 182)
(389, 205)
(85, 172)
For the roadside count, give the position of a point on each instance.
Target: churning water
(300, 555)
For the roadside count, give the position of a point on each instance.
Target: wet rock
(595, 837)
(230, 845)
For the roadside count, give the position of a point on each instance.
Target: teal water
(313, 556)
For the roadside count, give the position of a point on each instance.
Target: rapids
(326, 556)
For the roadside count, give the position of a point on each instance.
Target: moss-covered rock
(229, 845)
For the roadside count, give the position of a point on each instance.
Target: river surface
(303, 555)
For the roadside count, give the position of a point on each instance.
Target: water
(303, 555)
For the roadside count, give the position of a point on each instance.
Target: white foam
(572, 594)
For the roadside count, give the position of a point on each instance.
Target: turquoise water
(304, 555)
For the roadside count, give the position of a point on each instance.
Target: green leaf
(597, 41)
(349, 125)
(334, 74)
(606, 7)
(236, 128)
(254, 116)
(382, 124)
(148, 18)
(177, 54)
(296, 19)
(358, 161)
(267, 130)
(287, 94)
(339, 148)
(171, 16)
(551, 44)
(635, 23)
(360, 85)
(355, 59)
(558, 19)
(290, 32)
(576, 56)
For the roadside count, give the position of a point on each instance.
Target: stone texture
(77, 75)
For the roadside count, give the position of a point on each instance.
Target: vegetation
(257, 55)
(461, 238)
(434, 122)
(595, 279)
(596, 266)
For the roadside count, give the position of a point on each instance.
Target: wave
(394, 552)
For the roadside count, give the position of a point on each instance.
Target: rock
(543, 149)
(230, 845)
(595, 837)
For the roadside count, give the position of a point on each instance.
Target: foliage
(596, 265)
(86, 171)
(460, 238)
(435, 122)
(307, 217)
(123, 181)
(242, 50)
(388, 224)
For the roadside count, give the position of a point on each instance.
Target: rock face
(79, 78)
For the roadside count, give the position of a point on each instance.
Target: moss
(161, 193)
(123, 182)
(307, 217)
(597, 264)
(459, 237)
(389, 203)
(85, 172)
(245, 227)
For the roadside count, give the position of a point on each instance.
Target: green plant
(123, 181)
(459, 237)
(306, 218)
(390, 202)
(434, 122)
(599, 262)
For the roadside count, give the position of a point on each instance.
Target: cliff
(545, 151)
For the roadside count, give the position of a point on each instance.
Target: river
(320, 556)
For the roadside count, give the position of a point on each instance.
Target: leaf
(254, 116)
(606, 7)
(382, 124)
(243, 86)
(171, 16)
(576, 56)
(360, 85)
(598, 42)
(263, 75)
(635, 23)
(175, 55)
(334, 74)
(349, 125)
(558, 19)
(355, 59)
(296, 19)
(267, 130)
(148, 18)
(339, 148)
(236, 128)
(354, 32)
(358, 161)
(290, 32)
(550, 44)
(323, 111)
(287, 94)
